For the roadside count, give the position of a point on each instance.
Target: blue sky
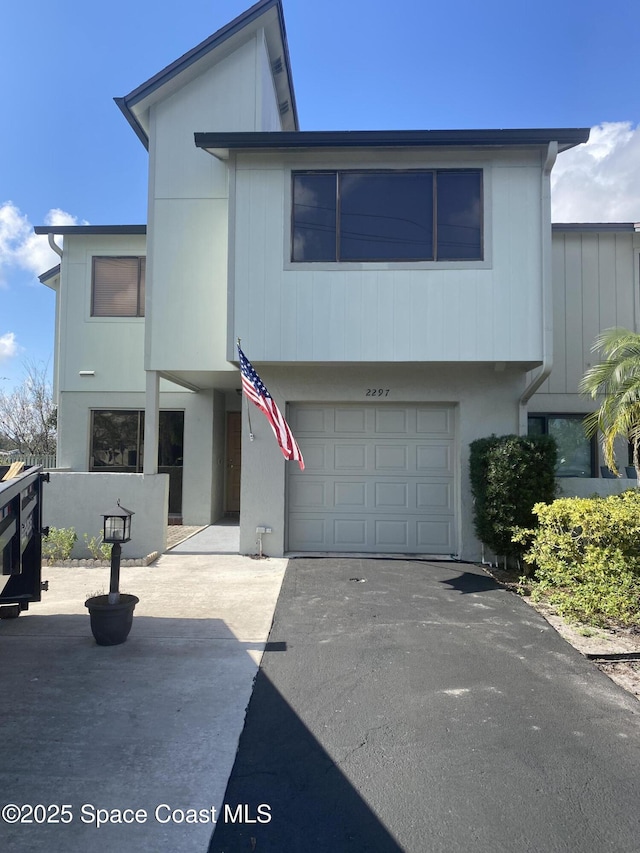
(357, 64)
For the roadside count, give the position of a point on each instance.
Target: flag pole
(251, 436)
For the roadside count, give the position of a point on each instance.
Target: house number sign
(377, 392)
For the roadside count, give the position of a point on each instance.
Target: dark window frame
(139, 450)
(570, 416)
(140, 286)
(437, 256)
(173, 467)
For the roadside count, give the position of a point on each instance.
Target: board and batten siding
(489, 311)
(595, 287)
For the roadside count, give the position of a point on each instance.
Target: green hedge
(509, 474)
(586, 553)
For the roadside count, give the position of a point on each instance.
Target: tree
(617, 381)
(28, 414)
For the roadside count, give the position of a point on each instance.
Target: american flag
(256, 391)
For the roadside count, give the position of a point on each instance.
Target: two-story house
(394, 289)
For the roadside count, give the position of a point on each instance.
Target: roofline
(249, 141)
(219, 37)
(46, 277)
(63, 230)
(595, 226)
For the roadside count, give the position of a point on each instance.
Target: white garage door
(378, 479)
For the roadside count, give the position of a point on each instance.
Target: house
(393, 289)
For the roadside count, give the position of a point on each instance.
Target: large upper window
(117, 287)
(417, 215)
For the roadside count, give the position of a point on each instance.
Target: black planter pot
(111, 623)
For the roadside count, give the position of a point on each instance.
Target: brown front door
(234, 423)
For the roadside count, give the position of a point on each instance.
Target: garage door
(378, 479)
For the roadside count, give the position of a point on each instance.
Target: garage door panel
(435, 421)
(350, 457)
(311, 419)
(391, 457)
(369, 534)
(391, 421)
(433, 458)
(309, 494)
(349, 494)
(350, 533)
(436, 535)
(315, 456)
(391, 495)
(392, 534)
(353, 420)
(377, 479)
(309, 532)
(438, 496)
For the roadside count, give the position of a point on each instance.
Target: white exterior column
(151, 423)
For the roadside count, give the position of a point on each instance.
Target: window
(117, 287)
(576, 452)
(426, 215)
(117, 445)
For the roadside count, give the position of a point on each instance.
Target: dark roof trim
(566, 138)
(196, 53)
(49, 274)
(594, 226)
(62, 230)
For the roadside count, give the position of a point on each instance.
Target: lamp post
(116, 530)
(112, 614)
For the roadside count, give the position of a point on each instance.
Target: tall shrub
(586, 553)
(509, 475)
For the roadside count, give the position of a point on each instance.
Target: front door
(233, 460)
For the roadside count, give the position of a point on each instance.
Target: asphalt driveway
(411, 706)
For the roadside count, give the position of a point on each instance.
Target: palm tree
(617, 381)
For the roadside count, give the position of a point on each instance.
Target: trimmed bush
(509, 475)
(586, 553)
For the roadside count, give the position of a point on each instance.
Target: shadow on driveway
(421, 707)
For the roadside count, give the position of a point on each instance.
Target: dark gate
(21, 539)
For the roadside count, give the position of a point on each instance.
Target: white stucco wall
(78, 500)
(188, 209)
(486, 401)
(112, 347)
(585, 487)
(74, 424)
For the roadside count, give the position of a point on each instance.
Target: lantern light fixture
(117, 525)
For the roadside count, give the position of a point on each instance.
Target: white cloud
(600, 180)
(8, 346)
(22, 249)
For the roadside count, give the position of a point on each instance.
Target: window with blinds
(117, 287)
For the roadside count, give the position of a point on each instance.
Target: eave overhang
(267, 15)
(51, 277)
(63, 230)
(221, 144)
(619, 227)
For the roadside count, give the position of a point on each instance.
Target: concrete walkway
(151, 724)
